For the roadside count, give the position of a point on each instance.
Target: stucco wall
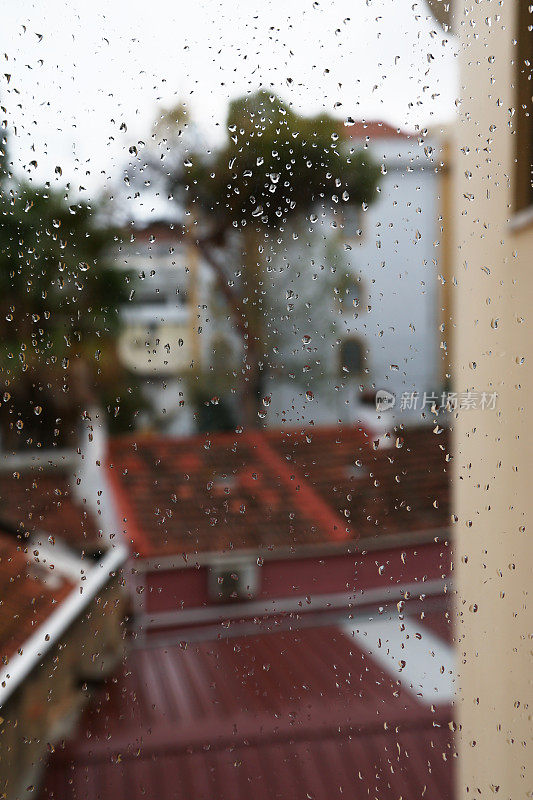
(493, 461)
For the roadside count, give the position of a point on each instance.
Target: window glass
(265, 377)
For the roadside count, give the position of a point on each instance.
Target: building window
(524, 87)
(352, 357)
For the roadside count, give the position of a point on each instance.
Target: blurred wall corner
(90, 479)
(442, 11)
(442, 137)
(493, 253)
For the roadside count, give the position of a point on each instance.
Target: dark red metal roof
(304, 713)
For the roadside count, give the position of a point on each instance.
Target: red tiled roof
(213, 493)
(302, 713)
(40, 498)
(380, 490)
(265, 489)
(374, 129)
(26, 601)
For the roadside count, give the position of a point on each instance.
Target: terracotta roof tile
(265, 489)
(380, 489)
(25, 599)
(375, 129)
(215, 502)
(41, 499)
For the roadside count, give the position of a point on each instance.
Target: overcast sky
(79, 71)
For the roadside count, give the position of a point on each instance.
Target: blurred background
(264, 436)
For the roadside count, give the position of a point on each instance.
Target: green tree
(274, 167)
(59, 303)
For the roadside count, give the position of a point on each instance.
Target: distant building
(193, 505)
(197, 508)
(395, 254)
(352, 303)
(377, 325)
(171, 329)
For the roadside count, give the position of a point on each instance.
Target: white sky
(100, 64)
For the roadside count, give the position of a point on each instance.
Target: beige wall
(493, 462)
(446, 259)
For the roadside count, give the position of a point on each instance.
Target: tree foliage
(274, 164)
(273, 170)
(59, 304)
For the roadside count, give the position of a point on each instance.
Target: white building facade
(166, 336)
(375, 324)
(351, 306)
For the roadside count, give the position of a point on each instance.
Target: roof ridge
(322, 430)
(127, 513)
(311, 504)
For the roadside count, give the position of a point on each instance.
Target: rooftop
(375, 129)
(220, 492)
(40, 497)
(310, 712)
(390, 485)
(26, 598)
